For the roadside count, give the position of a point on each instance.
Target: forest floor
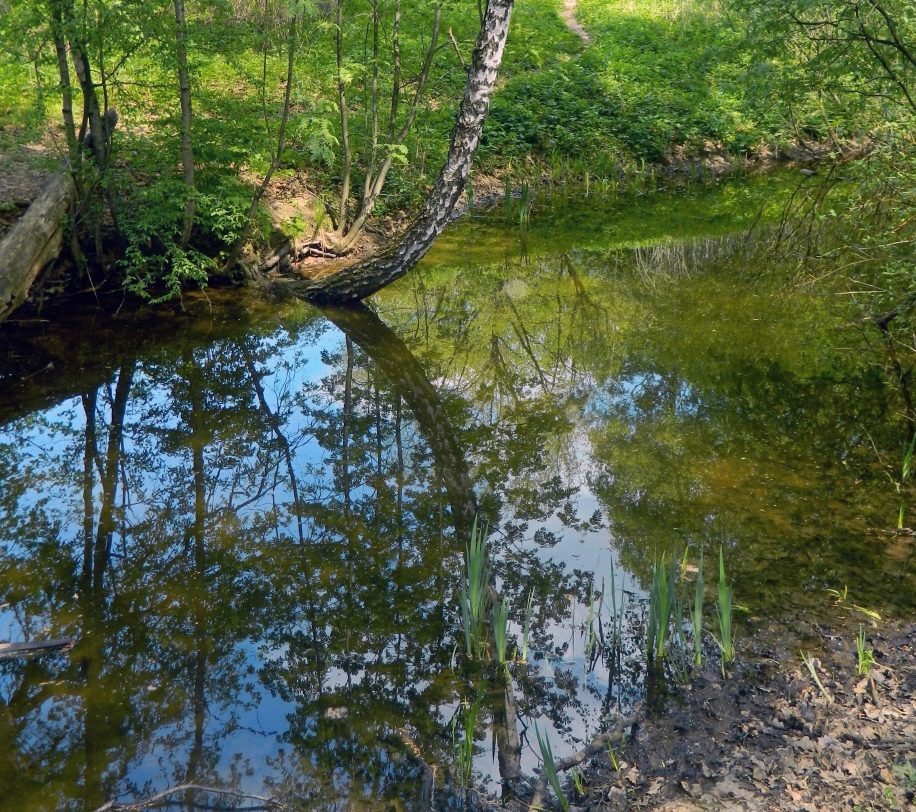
(767, 737)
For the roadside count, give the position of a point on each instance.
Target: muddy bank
(767, 737)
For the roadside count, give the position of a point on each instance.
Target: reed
(724, 614)
(577, 782)
(475, 591)
(550, 767)
(464, 748)
(590, 638)
(501, 629)
(905, 471)
(661, 606)
(617, 610)
(866, 658)
(524, 207)
(526, 629)
(507, 198)
(696, 616)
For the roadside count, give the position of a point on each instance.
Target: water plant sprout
(661, 606)
(866, 658)
(526, 629)
(464, 748)
(524, 210)
(550, 767)
(904, 476)
(475, 592)
(617, 612)
(696, 616)
(724, 614)
(501, 628)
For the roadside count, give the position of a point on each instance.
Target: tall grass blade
(524, 209)
(661, 606)
(550, 767)
(501, 628)
(696, 616)
(526, 629)
(724, 614)
(475, 592)
(866, 658)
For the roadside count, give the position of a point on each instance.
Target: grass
(550, 767)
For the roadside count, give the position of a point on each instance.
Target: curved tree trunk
(365, 278)
(394, 358)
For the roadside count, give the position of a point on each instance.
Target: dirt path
(569, 17)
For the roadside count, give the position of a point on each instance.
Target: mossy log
(33, 242)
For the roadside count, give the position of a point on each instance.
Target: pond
(251, 516)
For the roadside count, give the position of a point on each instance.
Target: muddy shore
(767, 737)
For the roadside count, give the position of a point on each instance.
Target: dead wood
(13, 651)
(33, 242)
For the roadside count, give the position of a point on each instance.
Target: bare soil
(766, 737)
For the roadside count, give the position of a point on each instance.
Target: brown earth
(766, 737)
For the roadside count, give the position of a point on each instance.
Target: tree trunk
(81, 65)
(394, 358)
(365, 278)
(187, 153)
(66, 90)
(33, 242)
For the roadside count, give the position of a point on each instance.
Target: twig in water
(114, 806)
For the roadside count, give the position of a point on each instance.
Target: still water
(251, 515)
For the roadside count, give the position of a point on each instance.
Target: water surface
(251, 516)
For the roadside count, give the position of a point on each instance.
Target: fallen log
(12, 651)
(33, 242)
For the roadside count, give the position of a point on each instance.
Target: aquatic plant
(724, 614)
(615, 762)
(866, 658)
(661, 606)
(681, 654)
(524, 208)
(464, 748)
(905, 471)
(550, 767)
(617, 611)
(501, 628)
(526, 629)
(696, 617)
(507, 197)
(475, 591)
(591, 641)
(577, 782)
